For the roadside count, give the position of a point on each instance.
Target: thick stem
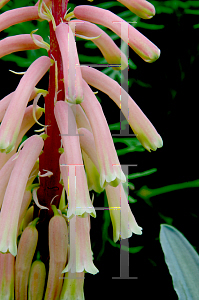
(49, 160)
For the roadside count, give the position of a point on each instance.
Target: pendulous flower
(137, 41)
(10, 210)
(80, 254)
(79, 202)
(141, 126)
(110, 169)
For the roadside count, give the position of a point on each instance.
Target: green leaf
(182, 261)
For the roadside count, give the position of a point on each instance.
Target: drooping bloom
(79, 202)
(110, 169)
(80, 254)
(106, 45)
(137, 41)
(141, 126)
(123, 221)
(71, 67)
(12, 120)
(14, 193)
(141, 8)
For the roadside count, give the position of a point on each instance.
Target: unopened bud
(26, 250)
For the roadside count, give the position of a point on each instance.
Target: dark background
(167, 92)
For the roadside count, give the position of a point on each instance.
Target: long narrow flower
(71, 66)
(19, 42)
(141, 126)
(123, 221)
(110, 169)
(71, 161)
(137, 41)
(18, 15)
(7, 261)
(106, 45)
(80, 255)
(12, 120)
(141, 8)
(14, 193)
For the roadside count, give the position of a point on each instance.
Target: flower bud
(58, 246)
(141, 8)
(36, 280)
(6, 276)
(26, 250)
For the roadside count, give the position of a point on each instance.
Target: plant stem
(49, 160)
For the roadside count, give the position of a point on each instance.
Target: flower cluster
(75, 153)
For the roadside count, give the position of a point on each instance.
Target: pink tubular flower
(137, 41)
(12, 120)
(123, 221)
(71, 161)
(71, 66)
(7, 261)
(141, 8)
(11, 206)
(80, 254)
(110, 169)
(106, 45)
(141, 126)
(19, 42)
(18, 15)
